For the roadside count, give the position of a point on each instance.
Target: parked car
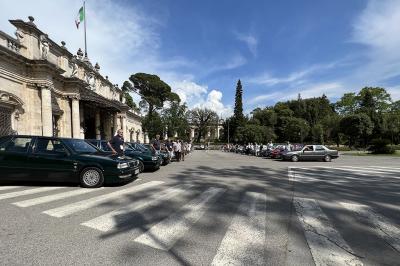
(277, 152)
(52, 159)
(164, 155)
(311, 153)
(146, 160)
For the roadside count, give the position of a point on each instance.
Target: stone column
(192, 133)
(115, 124)
(217, 132)
(146, 138)
(123, 125)
(97, 125)
(47, 116)
(76, 118)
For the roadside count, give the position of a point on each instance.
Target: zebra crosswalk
(244, 239)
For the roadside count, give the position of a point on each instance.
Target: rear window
(80, 146)
(17, 144)
(320, 148)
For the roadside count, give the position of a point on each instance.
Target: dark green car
(164, 155)
(51, 159)
(146, 160)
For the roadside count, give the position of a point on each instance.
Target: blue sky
(201, 48)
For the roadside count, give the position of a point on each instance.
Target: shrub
(381, 146)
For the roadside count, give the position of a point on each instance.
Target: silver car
(311, 153)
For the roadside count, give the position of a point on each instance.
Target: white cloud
(189, 91)
(394, 93)
(330, 89)
(294, 78)
(113, 40)
(122, 38)
(250, 40)
(196, 95)
(214, 102)
(377, 28)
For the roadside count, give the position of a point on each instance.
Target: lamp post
(228, 132)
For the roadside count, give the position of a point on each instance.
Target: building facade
(46, 90)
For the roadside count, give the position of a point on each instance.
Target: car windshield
(80, 146)
(136, 147)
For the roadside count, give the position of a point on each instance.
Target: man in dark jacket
(117, 143)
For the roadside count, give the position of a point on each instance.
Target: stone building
(46, 90)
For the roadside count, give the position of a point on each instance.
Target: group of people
(176, 148)
(257, 149)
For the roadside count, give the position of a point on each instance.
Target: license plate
(136, 171)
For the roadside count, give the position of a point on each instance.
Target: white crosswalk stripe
(9, 187)
(92, 202)
(50, 198)
(107, 222)
(246, 232)
(384, 228)
(15, 194)
(326, 244)
(165, 234)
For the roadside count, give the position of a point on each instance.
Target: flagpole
(84, 16)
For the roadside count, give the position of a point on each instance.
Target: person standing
(156, 144)
(117, 143)
(178, 150)
(183, 150)
(168, 145)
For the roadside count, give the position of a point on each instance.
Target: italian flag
(80, 17)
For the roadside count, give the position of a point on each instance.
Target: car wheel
(141, 166)
(295, 158)
(91, 177)
(327, 158)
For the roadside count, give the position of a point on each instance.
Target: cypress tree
(238, 111)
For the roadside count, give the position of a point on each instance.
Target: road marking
(45, 199)
(27, 192)
(165, 234)
(9, 187)
(377, 168)
(245, 239)
(356, 171)
(385, 229)
(92, 202)
(326, 244)
(108, 222)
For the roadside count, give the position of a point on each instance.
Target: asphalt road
(215, 208)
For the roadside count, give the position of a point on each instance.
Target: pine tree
(238, 111)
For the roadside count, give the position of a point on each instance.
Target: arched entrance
(10, 109)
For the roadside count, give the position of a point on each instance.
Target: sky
(277, 49)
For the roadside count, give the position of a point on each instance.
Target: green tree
(251, 133)
(357, 128)
(331, 125)
(202, 119)
(152, 89)
(265, 117)
(129, 100)
(374, 99)
(152, 124)
(348, 104)
(293, 129)
(175, 119)
(238, 111)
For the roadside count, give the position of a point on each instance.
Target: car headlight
(154, 158)
(122, 165)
